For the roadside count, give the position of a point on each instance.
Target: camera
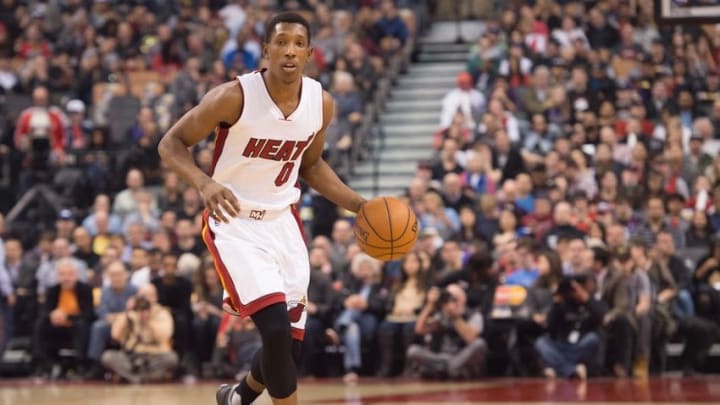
(565, 288)
(141, 304)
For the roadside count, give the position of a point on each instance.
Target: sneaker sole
(220, 396)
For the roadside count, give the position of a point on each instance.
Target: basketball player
(270, 127)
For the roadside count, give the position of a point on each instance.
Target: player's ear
(310, 51)
(264, 49)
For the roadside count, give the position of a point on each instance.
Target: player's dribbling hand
(220, 201)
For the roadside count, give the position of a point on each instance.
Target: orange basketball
(386, 228)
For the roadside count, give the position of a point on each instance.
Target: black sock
(247, 394)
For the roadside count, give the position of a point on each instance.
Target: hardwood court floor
(704, 390)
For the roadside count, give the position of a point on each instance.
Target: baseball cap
(464, 80)
(75, 106)
(65, 214)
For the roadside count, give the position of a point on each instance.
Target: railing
(369, 139)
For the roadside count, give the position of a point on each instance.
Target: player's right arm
(221, 105)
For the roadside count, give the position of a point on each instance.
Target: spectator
(47, 273)
(619, 294)
(146, 216)
(536, 97)
(113, 302)
(573, 343)
(40, 134)
(655, 221)
(187, 239)
(83, 248)
(437, 216)
(64, 320)
(112, 222)
(404, 303)
(663, 292)
(363, 306)
(664, 254)
(393, 29)
(144, 332)
(525, 273)
(140, 273)
(320, 311)
(171, 198)
(207, 314)
(699, 231)
(600, 34)
(236, 344)
(563, 228)
(456, 349)
(127, 201)
(449, 160)
(506, 157)
(452, 193)
(342, 238)
(174, 293)
(79, 128)
(539, 302)
(20, 306)
(191, 204)
(64, 224)
(463, 98)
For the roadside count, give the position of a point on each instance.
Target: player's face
(288, 51)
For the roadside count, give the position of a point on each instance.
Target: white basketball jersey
(259, 156)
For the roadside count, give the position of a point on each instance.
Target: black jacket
(513, 166)
(376, 300)
(566, 317)
(84, 298)
(321, 293)
(175, 294)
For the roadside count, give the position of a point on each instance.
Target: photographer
(572, 343)
(144, 332)
(456, 349)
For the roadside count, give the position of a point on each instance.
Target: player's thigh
(295, 263)
(295, 271)
(246, 267)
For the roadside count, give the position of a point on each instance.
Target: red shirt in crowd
(35, 117)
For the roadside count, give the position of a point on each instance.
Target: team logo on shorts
(257, 214)
(296, 308)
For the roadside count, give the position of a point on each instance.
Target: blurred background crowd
(568, 221)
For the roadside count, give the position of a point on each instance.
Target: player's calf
(278, 366)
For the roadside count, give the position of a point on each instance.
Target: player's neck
(280, 91)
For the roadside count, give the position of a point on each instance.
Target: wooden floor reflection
(383, 392)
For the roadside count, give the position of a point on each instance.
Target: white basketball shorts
(262, 259)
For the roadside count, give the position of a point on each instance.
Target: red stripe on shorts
(222, 271)
(297, 333)
(243, 310)
(296, 214)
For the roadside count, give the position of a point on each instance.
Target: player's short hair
(286, 17)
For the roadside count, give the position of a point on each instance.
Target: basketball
(386, 228)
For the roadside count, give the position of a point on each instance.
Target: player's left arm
(319, 175)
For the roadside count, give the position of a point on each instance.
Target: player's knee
(277, 336)
(274, 327)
